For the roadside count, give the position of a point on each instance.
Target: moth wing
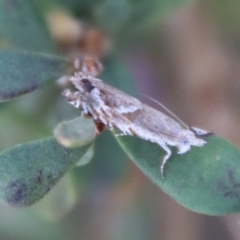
(157, 121)
(118, 100)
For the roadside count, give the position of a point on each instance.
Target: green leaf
(76, 132)
(22, 72)
(86, 158)
(22, 26)
(28, 171)
(205, 179)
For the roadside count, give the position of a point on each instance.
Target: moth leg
(166, 157)
(99, 127)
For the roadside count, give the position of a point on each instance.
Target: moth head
(86, 85)
(83, 82)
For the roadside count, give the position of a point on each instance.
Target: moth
(113, 109)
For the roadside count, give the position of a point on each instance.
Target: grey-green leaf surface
(22, 72)
(76, 132)
(28, 171)
(87, 157)
(205, 180)
(22, 26)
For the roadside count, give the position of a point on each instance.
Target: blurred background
(182, 53)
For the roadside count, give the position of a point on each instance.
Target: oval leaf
(76, 132)
(87, 157)
(205, 180)
(22, 72)
(28, 171)
(23, 26)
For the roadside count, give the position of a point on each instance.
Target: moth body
(114, 109)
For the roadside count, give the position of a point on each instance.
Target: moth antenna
(167, 110)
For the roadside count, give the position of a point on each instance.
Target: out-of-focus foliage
(22, 26)
(225, 15)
